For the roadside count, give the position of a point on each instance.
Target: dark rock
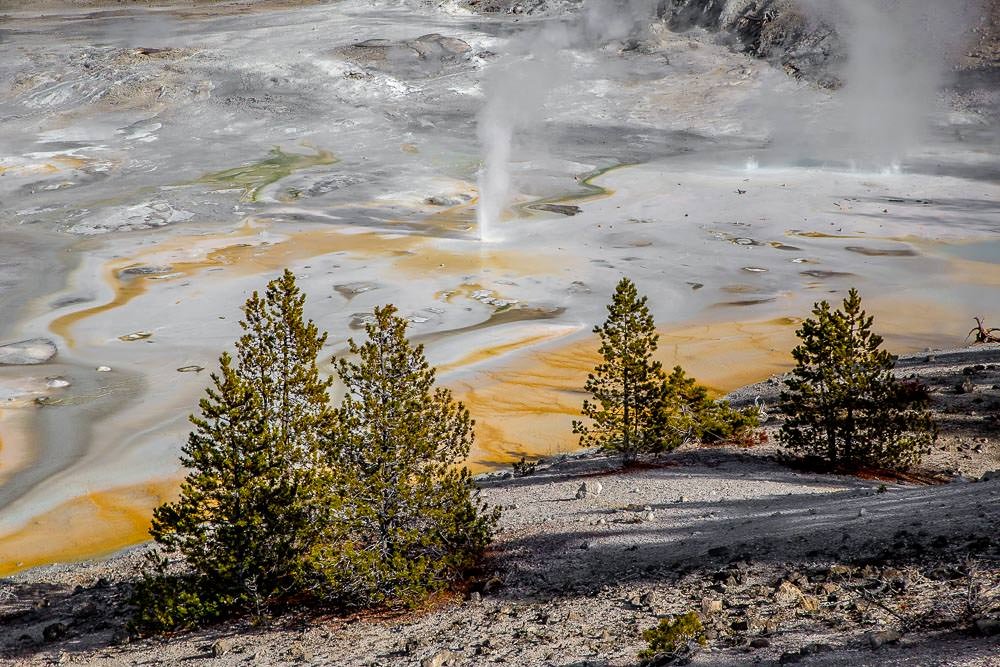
(54, 632)
(772, 29)
(133, 271)
(741, 625)
(988, 627)
(561, 209)
(815, 648)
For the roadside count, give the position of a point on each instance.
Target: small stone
(138, 335)
(438, 659)
(787, 592)
(966, 386)
(710, 606)
(299, 653)
(809, 603)
(103, 369)
(759, 642)
(221, 647)
(879, 639)
(475, 597)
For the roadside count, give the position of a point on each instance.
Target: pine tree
(405, 522)
(626, 413)
(245, 520)
(843, 403)
(692, 415)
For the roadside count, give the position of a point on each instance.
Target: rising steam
(518, 85)
(898, 55)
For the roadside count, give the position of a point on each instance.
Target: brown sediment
(413, 255)
(492, 352)
(15, 446)
(744, 302)
(126, 288)
(742, 289)
(967, 271)
(92, 525)
(817, 273)
(823, 235)
(881, 252)
(500, 317)
(526, 407)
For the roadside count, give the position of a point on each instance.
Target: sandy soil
(784, 564)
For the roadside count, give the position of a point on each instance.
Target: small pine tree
(843, 404)
(692, 415)
(626, 414)
(245, 520)
(405, 523)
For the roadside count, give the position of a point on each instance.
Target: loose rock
(27, 352)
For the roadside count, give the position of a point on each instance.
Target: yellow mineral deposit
(92, 525)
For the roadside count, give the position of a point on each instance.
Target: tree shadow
(836, 526)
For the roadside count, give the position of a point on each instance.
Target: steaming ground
(158, 165)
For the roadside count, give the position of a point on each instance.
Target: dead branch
(984, 334)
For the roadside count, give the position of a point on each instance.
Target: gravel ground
(785, 566)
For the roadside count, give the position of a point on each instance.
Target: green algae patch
(254, 177)
(565, 204)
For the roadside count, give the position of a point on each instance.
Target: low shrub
(672, 638)
(523, 468)
(693, 415)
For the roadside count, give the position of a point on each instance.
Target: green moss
(587, 190)
(255, 176)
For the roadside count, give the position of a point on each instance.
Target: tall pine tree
(843, 403)
(404, 523)
(626, 414)
(245, 520)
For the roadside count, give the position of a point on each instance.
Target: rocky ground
(784, 566)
